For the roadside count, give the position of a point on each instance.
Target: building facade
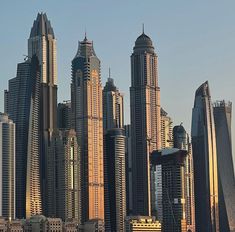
(42, 43)
(145, 120)
(18, 108)
(87, 114)
(64, 181)
(129, 192)
(115, 180)
(205, 162)
(222, 116)
(64, 115)
(7, 167)
(141, 224)
(172, 161)
(113, 114)
(181, 141)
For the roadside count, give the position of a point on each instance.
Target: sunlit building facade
(87, 118)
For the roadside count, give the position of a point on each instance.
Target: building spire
(85, 35)
(109, 72)
(143, 28)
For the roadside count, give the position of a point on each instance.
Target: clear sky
(194, 40)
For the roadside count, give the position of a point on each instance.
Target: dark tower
(205, 162)
(223, 116)
(145, 120)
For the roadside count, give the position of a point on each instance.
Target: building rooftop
(41, 26)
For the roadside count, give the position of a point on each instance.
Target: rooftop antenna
(85, 34)
(109, 73)
(143, 28)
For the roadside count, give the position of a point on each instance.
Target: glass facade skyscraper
(205, 162)
(223, 117)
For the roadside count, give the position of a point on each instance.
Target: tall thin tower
(205, 162)
(7, 167)
(145, 120)
(42, 43)
(87, 114)
(223, 118)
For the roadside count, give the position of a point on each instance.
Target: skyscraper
(145, 120)
(166, 142)
(87, 114)
(7, 167)
(222, 117)
(166, 130)
(64, 115)
(113, 114)
(115, 180)
(172, 161)
(114, 158)
(64, 176)
(129, 192)
(18, 107)
(205, 162)
(42, 43)
(33, 184)
(181, 141)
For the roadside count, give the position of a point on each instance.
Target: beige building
(87, 120)
(142, 224)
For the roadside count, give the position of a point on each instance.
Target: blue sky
(194, 40)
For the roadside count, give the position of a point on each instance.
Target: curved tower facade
(205, 162)
(145, 120)
(42, 43)
(223, 116)
(87, 116)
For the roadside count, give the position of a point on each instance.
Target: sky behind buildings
(194, 40)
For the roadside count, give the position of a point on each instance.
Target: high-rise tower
(114, 158)
(18, 106)
(64, 185)
(145, 120)
(87, 119)
(113, 114)
(42, 43)
(181, 141)
(7, 167)
(205, 162)
(222, 117)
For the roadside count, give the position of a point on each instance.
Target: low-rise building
(142, 224)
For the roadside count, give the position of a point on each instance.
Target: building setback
(222, 116)
(7, 167)
(145, 120)
(87, 118)
(205, 162)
